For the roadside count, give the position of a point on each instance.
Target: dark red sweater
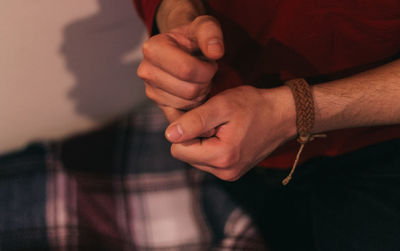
(268, 42)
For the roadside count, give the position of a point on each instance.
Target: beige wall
(65, 66)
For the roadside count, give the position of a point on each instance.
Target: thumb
(194, 123)
(171, 114)
(208, 34)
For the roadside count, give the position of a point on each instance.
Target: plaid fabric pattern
(116, 189)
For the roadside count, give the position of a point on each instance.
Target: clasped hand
(227, 134)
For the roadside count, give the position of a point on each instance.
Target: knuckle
(150, 92)
(142, 72)
(186, 72)
(192, 91)
(203, 91)
(201, 98)
(147, 48)
(174, 151)
(205, 19)
(201, 120)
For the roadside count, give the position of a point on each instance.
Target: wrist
(284, 111)
(175, 13)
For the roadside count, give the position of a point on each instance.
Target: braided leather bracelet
(305, 116)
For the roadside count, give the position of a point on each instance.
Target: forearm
(371, 98)
(174, 13)
(368, 99)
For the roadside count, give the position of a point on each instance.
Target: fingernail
(174, 133)
(214, 45)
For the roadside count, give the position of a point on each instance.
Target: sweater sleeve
(146, 10)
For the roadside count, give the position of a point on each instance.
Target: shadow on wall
(103, 52)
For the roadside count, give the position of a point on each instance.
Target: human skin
(175, 79)
(249, 123)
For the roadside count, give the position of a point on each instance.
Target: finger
(169, 83)
(210, 152)
(164, 98)
(196, 122)
(208, 134)
(209, 37)
(171, 114)
(166, 54)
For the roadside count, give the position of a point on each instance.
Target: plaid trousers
(116, 188)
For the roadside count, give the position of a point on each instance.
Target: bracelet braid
(305, 117)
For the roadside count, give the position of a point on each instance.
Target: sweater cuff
(147, 10)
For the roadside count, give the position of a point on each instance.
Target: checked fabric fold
(116, 189)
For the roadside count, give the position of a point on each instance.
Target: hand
(250, 123)
(174, 77)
